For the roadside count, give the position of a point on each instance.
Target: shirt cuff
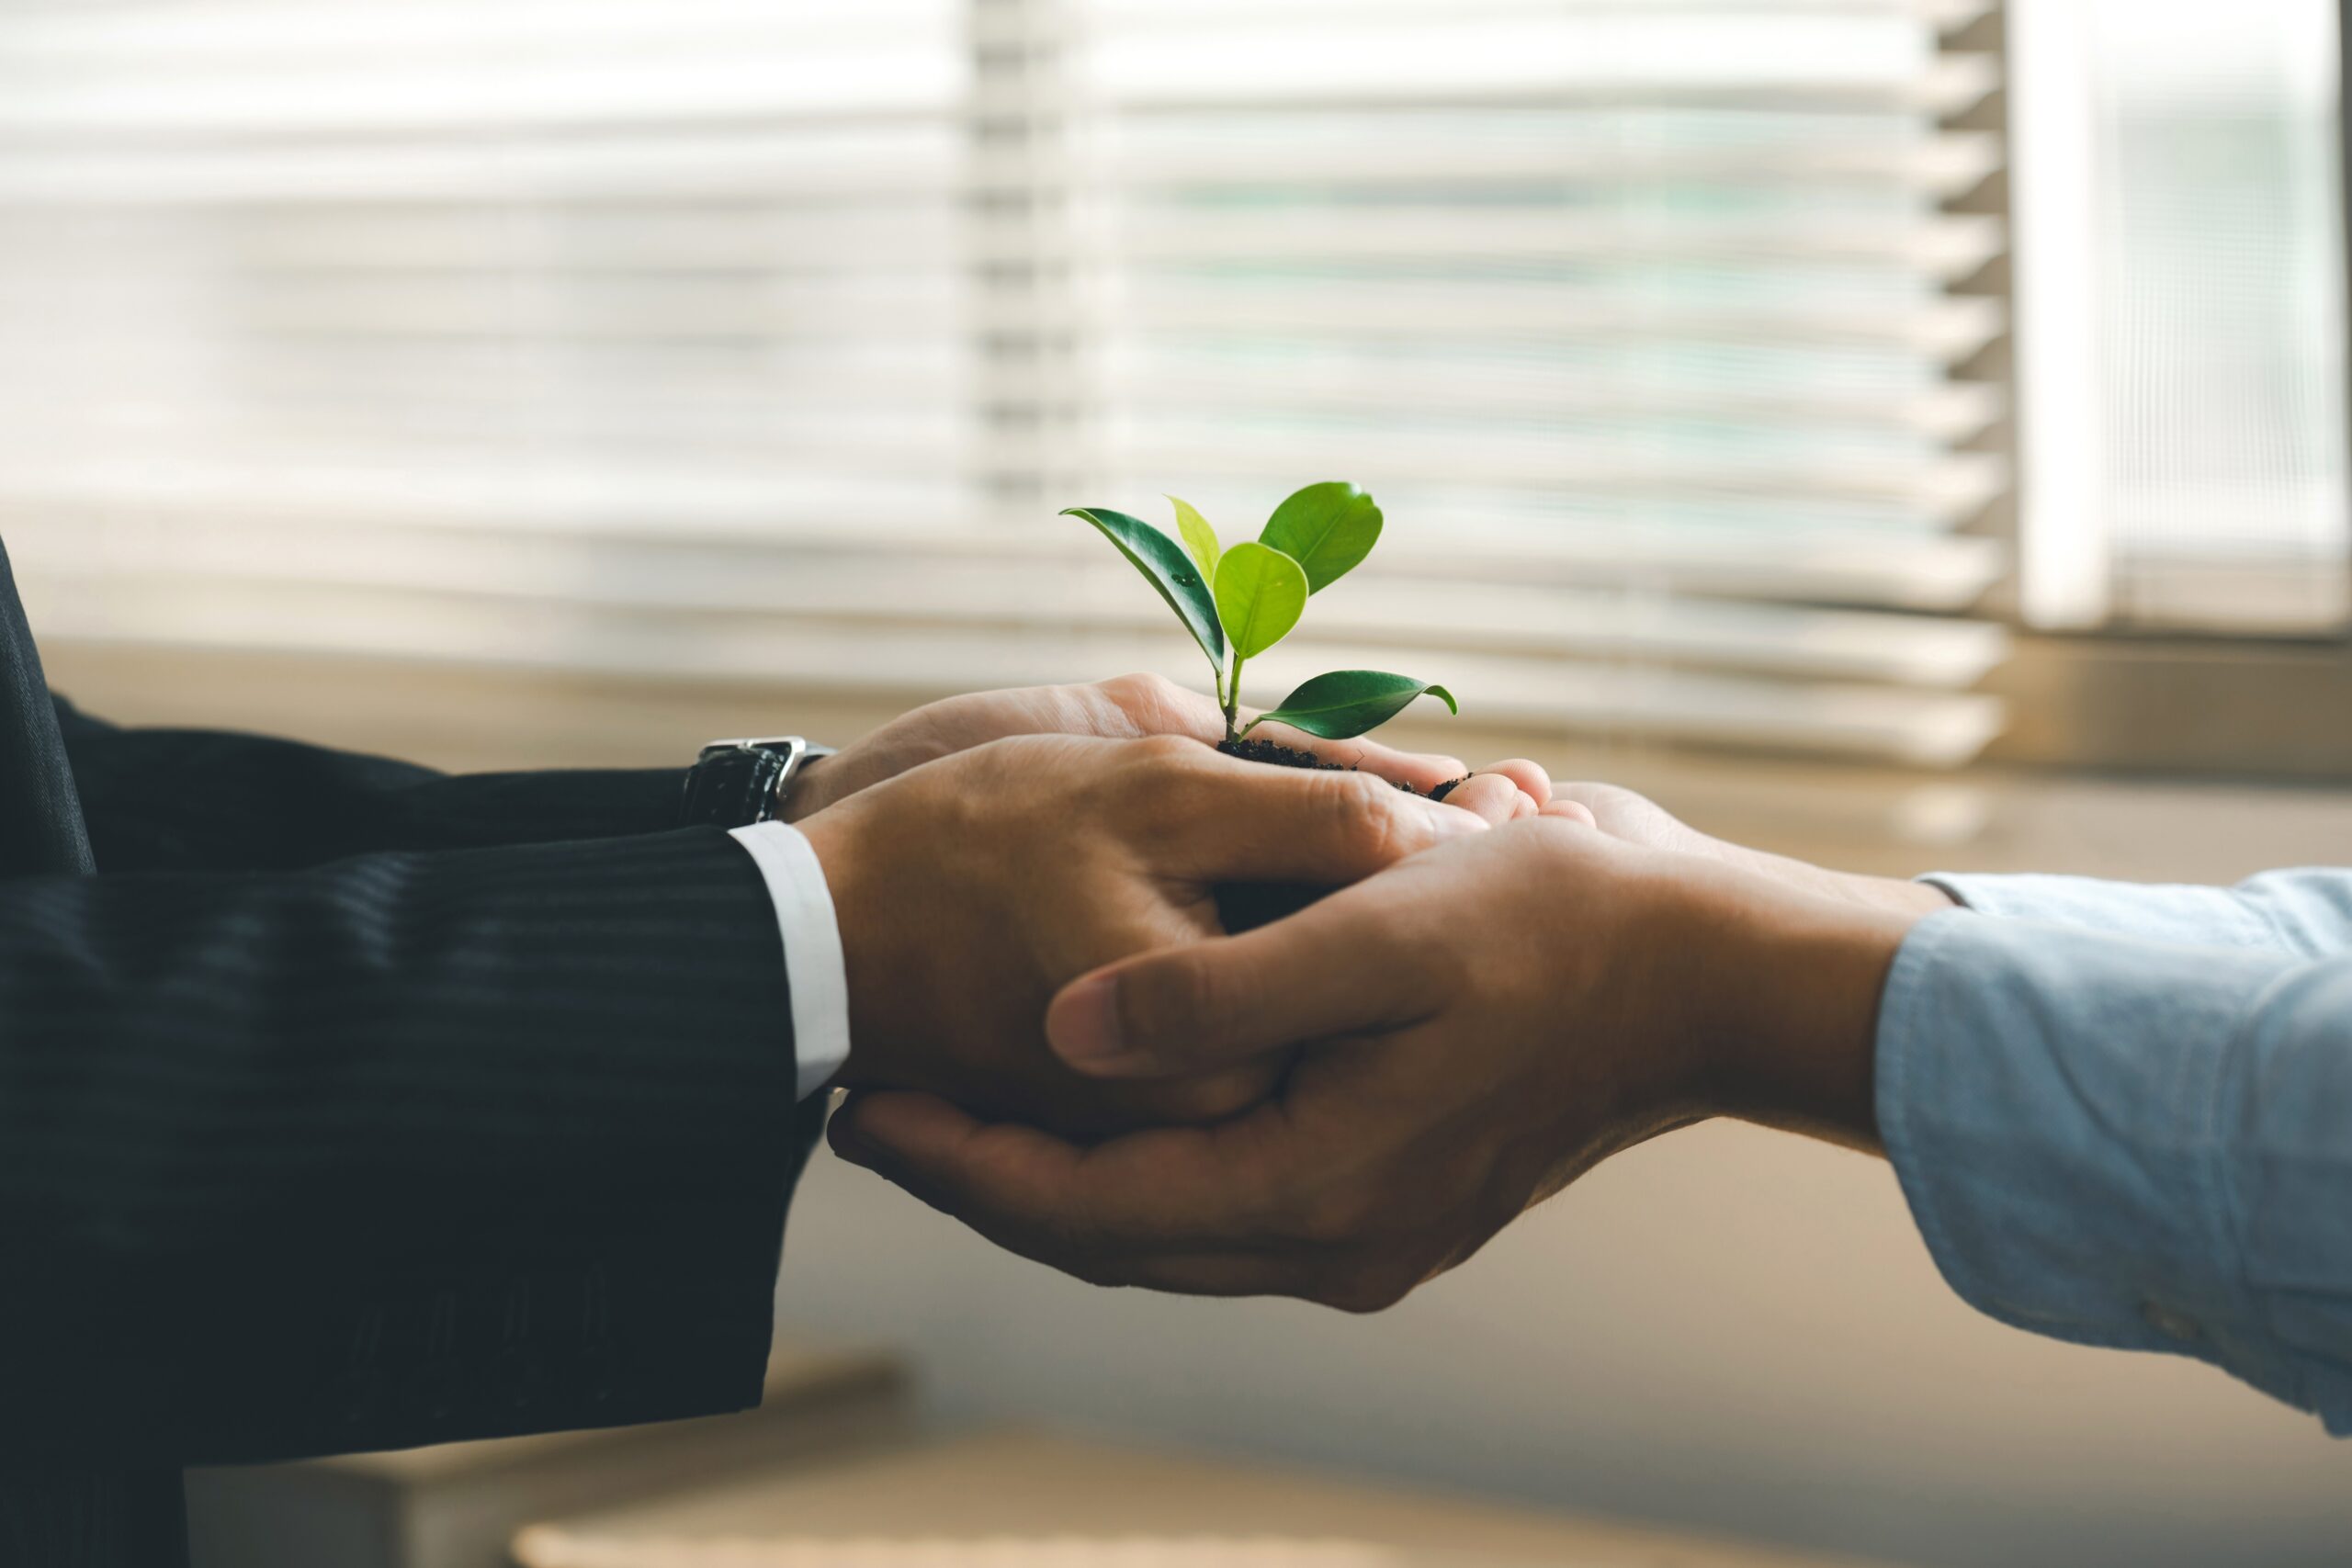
(813, 967)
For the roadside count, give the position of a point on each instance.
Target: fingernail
(1082, 1025)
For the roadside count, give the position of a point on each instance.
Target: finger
(1531, 777)
(1162, 1211)
(1161, 1192)
(1491, 796)
(1424, 772)
(1175, 1011)
(1572, 811)
(1245, 822)
(1022, 1193)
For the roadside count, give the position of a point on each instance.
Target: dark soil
(1246, 905)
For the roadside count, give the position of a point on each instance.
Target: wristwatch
(734, 783)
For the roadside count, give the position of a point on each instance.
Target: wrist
(1883, 893)
(810, 791)
(1794, 988)
(1896, 896)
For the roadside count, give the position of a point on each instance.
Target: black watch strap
(733, 786)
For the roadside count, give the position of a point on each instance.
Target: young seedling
(1240, 601)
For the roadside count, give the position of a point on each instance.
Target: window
(769, 334)
(2180, 280)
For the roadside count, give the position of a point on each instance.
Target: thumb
(1288, 825)
(1181, 1010)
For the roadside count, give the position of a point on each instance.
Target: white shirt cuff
(813, 966)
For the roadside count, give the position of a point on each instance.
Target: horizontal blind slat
(1952, 85)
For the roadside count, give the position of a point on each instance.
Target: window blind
(767, 338)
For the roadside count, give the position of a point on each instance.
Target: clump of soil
(1246, 905)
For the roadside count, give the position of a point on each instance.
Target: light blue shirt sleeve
(2123, 1125)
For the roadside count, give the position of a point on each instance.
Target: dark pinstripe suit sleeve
(404, 1148)
(194, 800)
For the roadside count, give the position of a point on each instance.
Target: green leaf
(1199, 537)
(1180, 582)
(1328, 529)
(1260, 593)
(1347, 704)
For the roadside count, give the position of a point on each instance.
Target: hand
(1126, 708)
(969, 889)
(1490, 1019)
(1622, 814)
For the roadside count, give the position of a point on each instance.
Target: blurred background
(1895, 432)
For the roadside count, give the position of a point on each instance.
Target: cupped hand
(969, 889)
(1479, 1025)
(1126, 709)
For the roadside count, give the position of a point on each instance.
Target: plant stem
(1231, 692)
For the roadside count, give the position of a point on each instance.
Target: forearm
(2107, 1140)
(415, 1147)
(191, 800)
(2306, 912)
(2132, 1143)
